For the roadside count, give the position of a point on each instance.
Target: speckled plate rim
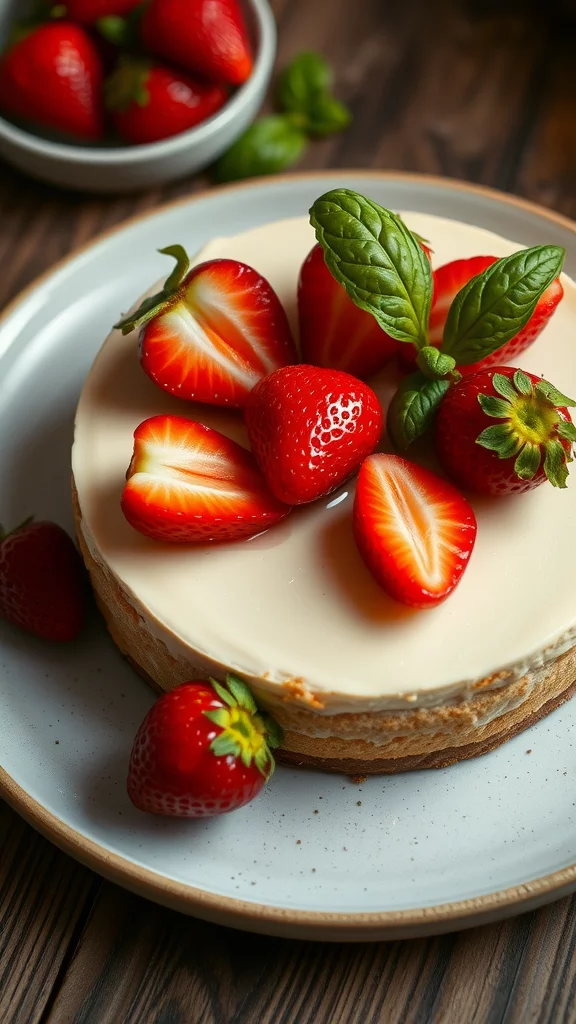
(257, 917)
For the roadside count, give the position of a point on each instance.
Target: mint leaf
(434, 363)
(371, 252)
(304, 89)
(268, 146)
(494, 306)
(326, 116)
(413, 408)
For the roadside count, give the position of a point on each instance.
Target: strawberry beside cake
(418, 619)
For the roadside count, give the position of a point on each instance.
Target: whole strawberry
(203, 749)
(42, 581)
(53, 76)
(88, 12)
(149, 102)
(310, 428)
(503, 431)
(207, 37)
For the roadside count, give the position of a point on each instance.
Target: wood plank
(44, 898)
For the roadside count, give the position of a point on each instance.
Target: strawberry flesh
(310, 428)
(414, 530)
(190, 484)
(222, 332)
(334, 331)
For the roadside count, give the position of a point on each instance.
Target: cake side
(380, 742)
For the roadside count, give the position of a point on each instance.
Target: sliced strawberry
(414, 530)
(213, 332)
(448, 281)
(334, 332)
(190, 484)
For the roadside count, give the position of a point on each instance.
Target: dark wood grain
(479, 89)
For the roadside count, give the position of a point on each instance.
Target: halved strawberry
(414, 530)
(190, 484)
(448, 281)
(212, 332)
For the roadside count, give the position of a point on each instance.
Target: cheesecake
(359, 683)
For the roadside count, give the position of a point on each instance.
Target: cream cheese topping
(294, 610)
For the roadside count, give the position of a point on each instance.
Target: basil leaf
(270, 145)
(371, 252)
(494, 306)
(326, 115)
(413, 408)
(307, 77)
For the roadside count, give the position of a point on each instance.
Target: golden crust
(362, 743)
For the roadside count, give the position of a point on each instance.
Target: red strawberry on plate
(42, 581)
(53, 76)
(203, 749)
(207, 37)
(212, 332)
(503, 431)
(150, 102)
(449, 280)
(310, 428)
(88, 12)
(190, 484)
(414, 530)
(334, 332)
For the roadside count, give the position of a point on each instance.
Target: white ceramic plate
(316, 855)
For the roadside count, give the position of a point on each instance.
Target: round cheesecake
(359, 683)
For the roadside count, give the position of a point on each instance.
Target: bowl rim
(117, 156)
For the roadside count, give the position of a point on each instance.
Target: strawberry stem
(156, 304)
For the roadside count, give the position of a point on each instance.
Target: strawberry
(88, 12)
(208, 37)
(503, 431)
(150, 102)
(53, 76)
(42, 581)
(212, 332)
(310, 428)
(334, 332)
(449, 280)
(203, 749)
(414, 530)
(190, 484)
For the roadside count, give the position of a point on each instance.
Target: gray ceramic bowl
(127, 168)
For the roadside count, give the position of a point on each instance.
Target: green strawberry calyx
(246, 732)
(531, 426)
(128, 85)
(156, 304)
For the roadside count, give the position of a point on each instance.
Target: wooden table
(478, 90)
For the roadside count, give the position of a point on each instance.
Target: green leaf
(241, 693)
(553, 395)
(220, 717)
(566, 431)
(413, 408)
(306, 77)
(224, 744)
(434, 363)
(114, 29)
(497, 407)
(522, 383)
(504, 386)
(326, 116)
(265, 762)
(494, 306)
(223, 693)
(155, 304)
(274, 732)
(555, 466)
(501, 439)
(270, 145)
(371, 252)
(528, 461)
